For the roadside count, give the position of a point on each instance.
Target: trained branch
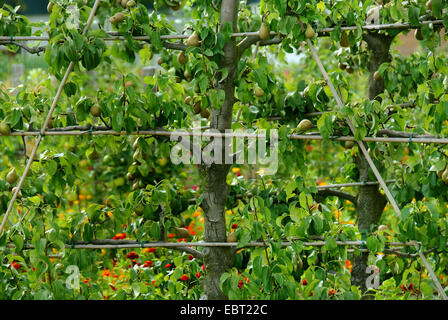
(35, 50)
(337, 193)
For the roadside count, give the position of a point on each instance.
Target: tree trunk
(370, 202)
(213, 177)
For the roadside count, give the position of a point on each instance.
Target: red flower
(151, 250)
(198, 275)
(311, 293)
(132, 255)
(234, 226)
(304, 282)
(195, 187)
(203, 268)
(184, 277)
(120, 236)
(16, 265)
(240, 284)
(170, 235)
(168, 265)
(403, 288)
(154, 283)
(113, 288)
(309, 148)
(332, 292)
(181, 240)
(192, 232)
(348, 265)
(147, 264)
(90, 168)
(411, 286)
(190, 257)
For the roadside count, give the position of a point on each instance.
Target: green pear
(304, 125)
(12, 176)
(344, 40)
(264, 33)
(309, 33)
(95, 110)
(193, 40)
(4, 128)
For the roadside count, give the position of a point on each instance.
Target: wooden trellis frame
(43, 132)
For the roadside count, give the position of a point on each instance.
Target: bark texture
(370, 202)
(213, 177)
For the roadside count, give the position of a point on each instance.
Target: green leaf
(18, 241)
(330, 244)
(372, 243)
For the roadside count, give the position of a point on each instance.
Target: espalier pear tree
(355, 210)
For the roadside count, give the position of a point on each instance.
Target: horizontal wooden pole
(114, 36)
(313, 136)
(128, 244)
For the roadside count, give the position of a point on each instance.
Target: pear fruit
(50, 7)
(418, 34)
(193, 40)
(445, 176)
(344, 40)
(304, 125)
(377, 75)
(176, 6)
(19, 195)
(205, 113)
(12, 176)
(187, 75)
(94, 155)
(382, 228)
(139, 209)
(95, 110)
(4, 128)
(299, 263)
(182, 233)
(349, 144)
(258, 92)
(181, 58)
(264, 32)
(50, 123)
(117, 18)
(188, 100)
(130, 4)
(232, 237)
(197, 107)
(309, 33)
(124, 3)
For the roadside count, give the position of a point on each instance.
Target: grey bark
(370, 202)
(213, 178)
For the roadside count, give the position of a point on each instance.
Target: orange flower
(105, 273)
(348, 265)
(170, 235)
(332, 292)
(196, 214)
(81, 197)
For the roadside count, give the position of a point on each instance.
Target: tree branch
(337, 193)
(35, 50)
